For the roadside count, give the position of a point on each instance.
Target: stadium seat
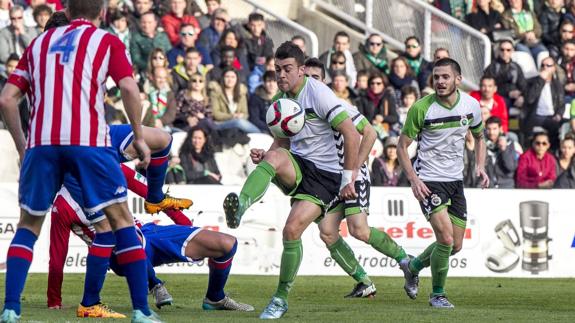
(9, 169)
(526, 63)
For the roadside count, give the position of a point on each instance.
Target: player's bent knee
(359, 233)
(292, 231)
(329, 238)
(275, 158)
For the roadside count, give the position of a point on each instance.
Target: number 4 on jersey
(65, 46)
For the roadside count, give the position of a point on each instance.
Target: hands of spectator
(215, 176)
(530, 37)
(570, 87)
(19, 29)
(192, 121)
(557, 118)
(502, 143)
(377, 120)
(519, 102)
(420, 190)
(200, 115)
(158, 123)
(257, 155)
(482, 176)
(174, 161)
(238, 115)
(545, 74)
(546, 184)
(260, 60)
(514, 94)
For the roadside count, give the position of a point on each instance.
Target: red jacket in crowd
(499, 108)
(531, 171)
(172, 25)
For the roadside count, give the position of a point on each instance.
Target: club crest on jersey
(464, 121)
(435, 200)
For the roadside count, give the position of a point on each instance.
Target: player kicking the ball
(440, 121)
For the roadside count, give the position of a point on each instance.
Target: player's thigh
(118, 216)
(329, 227)
(101, 180)
(156, 139)
(302, 213)
(41, 176)
(286, 167)
(442, 227)
(209, 244)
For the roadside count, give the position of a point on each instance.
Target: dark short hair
(182, 26)
(13, 57)
(449, 62)
(493, 119)
(408, 90)
(269, 75)
(378, 75)
(538, 134)
(412, 38)
(487, 77)
(505, 40)
(89, 9)
(300, 37)
(193, 50)
(58, 19)
(117, 15)
(341, 33)
(569, 41)
(315, 62)
(362, 73)
(337, 73)
(290, 50)
(254, 16)
(40, 9)
(227, 49)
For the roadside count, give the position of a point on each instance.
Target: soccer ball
(285, 118)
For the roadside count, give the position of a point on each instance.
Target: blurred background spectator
(193, 105)
(341, 43)
(419, 66)
(191, 65)
(197, 158)
(258, 44)
(176, 17)
(501, 161)
(385, 169)
(485, 16)
(536, 167)
(261, 99)
(372, 55)
(490, 100)
(15, 37)
(210, 36)
(146, 39)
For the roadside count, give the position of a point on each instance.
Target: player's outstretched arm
(480, 152)
(351, 156)
(420, 190)
(133, 106)
(9, 99)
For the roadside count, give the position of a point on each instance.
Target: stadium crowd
(213, 77)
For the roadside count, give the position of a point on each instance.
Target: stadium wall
(497, 242)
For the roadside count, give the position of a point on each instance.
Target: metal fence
(282, 29)
(398, 19)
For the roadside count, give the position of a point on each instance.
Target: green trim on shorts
(298, 176)
(335, 209)
(309, 198)
(353, 210)
(457, 221)
(437, 209)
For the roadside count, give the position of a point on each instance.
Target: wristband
(346, 178)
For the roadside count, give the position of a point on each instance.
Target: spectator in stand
(566, 152)
(420, 67)
(501, 161)
(193, 105)
(361, 84)
(258, 44)
(372, 55)
(341, 43)
(5, 13)
(261, 100)
(408, 97)
(386, 170)
(188, 36)
(229, 60)
(41, 15)
(197, 158)
(211, 6)
(161, 97)
(230, 103)
(484, 17)
(315, 69)
(29, 12)
(140, 8)
(508, 75)
(23, 107)
(209, 37)
(440, 53)
(230, 39)
(401, 75)
(256, 76)
(567, 62)
(191, 65)
(340, 86)
(489, 99)
(550, 20)
(146, 39)
(119, 27)
(569, 13)
(15, 37)
(526, 27)
(567, 179)
(300, 42)
(545, 101)
(378, 104)
(537, 167)
(177, 17)
(157, 59)
(337, 63)
(457, 9)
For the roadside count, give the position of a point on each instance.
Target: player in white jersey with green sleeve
(354, 211)
(305, 167)
(439, 122)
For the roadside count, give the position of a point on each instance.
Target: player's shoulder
(424, 103)
(468, 100)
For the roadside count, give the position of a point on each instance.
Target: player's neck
(449, 100)
(297, 88)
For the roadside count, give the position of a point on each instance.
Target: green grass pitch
(320, 299)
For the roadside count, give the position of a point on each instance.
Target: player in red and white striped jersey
(63, 72)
